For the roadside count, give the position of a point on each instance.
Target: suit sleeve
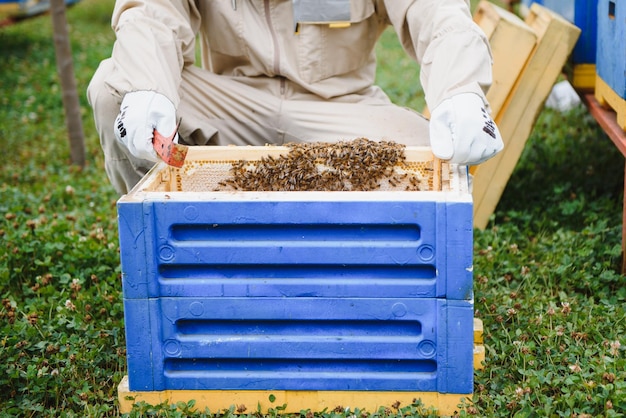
(155, 39)
(453, 52)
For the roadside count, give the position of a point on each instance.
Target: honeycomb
(357, 165)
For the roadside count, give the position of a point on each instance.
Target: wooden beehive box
(524, 99)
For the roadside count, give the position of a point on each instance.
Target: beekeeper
(279, 71)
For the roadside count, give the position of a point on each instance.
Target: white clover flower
(70, 305)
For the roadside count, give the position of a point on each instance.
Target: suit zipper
(268, 19)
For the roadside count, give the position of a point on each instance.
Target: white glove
(141, 112)
(462, 131)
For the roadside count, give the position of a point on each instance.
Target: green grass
(547, 282)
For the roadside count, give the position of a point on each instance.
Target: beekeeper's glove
(462, 131)
(141, 112)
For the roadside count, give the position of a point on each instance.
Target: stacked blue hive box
(315, 291)
(583, 14)
(611, 54)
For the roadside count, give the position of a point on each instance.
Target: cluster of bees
(356, 165)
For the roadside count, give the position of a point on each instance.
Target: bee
(359, 164)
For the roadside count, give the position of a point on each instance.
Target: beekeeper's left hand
(462, 131)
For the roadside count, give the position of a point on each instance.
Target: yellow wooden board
(247, 401)
(608, 98)
(478, 331)
(479, 357)
(8, 9)
(556, 38)
(584, 77)
(479, 347)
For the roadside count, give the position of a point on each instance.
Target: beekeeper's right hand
(462, 131)
(141, 112)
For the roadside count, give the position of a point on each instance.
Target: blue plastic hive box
(583, 14)
(239, 343)
(297, 290)
(611, 55)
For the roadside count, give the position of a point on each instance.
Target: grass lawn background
(547, 281)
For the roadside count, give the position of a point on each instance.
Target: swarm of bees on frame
(356, 165)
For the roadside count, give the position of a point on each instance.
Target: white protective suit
(265, 78)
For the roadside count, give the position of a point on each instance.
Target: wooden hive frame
(168, 179)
